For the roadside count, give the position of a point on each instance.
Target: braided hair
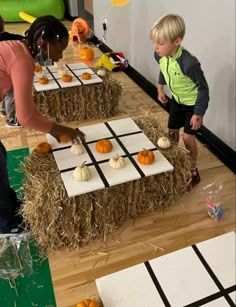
(47, 28)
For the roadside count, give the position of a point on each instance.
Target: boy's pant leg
(9, 102)
(8, 199)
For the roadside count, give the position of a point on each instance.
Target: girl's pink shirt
(17, 72)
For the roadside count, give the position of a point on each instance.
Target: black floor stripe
(125, 150)
(157, 284)
(213, 276)
(95, 163)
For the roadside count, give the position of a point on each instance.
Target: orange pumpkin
(43, 80)
(146, 156)
(86, 76)
(104, 146)
(37, 68)
(64, 138)
(66, 78)
(86, 53)
(88, 303)
(43, 148)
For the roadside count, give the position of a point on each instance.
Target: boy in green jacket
(182, 73)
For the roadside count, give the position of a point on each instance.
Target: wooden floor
(74, 272)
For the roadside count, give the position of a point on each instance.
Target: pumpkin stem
(145, 152)
(83, 164)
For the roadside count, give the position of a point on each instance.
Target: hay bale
(80, 102)
(57, 221)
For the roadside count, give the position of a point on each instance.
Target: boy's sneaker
(3, 114)
(194, 180)
(12, 124)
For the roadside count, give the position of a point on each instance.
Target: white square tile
(131, 287)
(219, 253)
(123, 126)
(47, 75)
(66, 159)
(51, 140)
(74, 187)
(160, 165)
(94, 79)
(233, 296)
(57, 74)
(77, 66)
(182, 277)
(116, 150)
(74, 82)
(95, 132)
(79, 72)
(51, 85)
(116, 176)
(220, 302)
(53, 68)
(136, 142)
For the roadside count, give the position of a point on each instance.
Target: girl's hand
(196, 122)
(74, 134)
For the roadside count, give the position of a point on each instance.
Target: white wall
(210, 36)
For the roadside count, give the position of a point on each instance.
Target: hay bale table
(79, 99)
(62, 214)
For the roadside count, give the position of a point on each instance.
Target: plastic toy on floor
(112, 61)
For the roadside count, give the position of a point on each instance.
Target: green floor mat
(35, 290)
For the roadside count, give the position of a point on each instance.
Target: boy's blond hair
(168, 28)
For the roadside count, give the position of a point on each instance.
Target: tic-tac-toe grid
(75, 70)
(127, 140)
(199, 275)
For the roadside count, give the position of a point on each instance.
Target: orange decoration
(79, 30)
(43, 148)
(104, 146)
(66, 78)
(88, 303)
(86, 76)
(43, 80)
(37, 68)
(146, 156)
(86, 53)
(64, 138)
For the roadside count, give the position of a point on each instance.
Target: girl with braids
(45, 42)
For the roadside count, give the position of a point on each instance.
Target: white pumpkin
(82, 173)
(101, 73)
(164, 142)
(117, 162)
(77, 149)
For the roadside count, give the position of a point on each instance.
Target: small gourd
(64, 138)
(43, 148)
(43, 80)
(88, 303)
(103, 146)
(163, 142)
(82, 172)
(101, 73)
(66, 78)
(146, 156)
(117, 162)
(77, 149)
(86, 76)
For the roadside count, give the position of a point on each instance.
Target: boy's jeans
(8, 106)
(8, 199)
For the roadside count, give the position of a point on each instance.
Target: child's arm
(160, 86)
